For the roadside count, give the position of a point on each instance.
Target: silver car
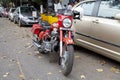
(10, 13)
(97, 26)
(26, 15)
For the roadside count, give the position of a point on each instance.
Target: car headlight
(23, 17)
(67, 23)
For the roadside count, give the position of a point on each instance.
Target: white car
(10, 13)
(1, 11)
(26, 15)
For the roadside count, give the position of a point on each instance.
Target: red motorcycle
(57, 37)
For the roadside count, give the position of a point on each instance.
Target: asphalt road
(20, 60)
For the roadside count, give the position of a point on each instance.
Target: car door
(106, 29)
(83, 26)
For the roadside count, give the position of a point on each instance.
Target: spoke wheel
(67, 59)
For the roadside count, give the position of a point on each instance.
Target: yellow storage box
(49, 19)
(52, 19)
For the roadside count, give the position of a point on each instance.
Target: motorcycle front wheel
(67, 59)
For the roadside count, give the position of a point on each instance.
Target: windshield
(27, 9)
(12, 10)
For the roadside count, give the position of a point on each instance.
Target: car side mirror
(76, 15)
(117, 16)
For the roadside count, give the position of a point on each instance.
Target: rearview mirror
(76, 15)
(117, 16)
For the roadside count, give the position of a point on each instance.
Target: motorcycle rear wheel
(67, 59)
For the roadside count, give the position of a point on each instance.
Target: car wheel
(14, 21)
(19, 23)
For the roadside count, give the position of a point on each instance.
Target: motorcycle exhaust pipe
(36, 44)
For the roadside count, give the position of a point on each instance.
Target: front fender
(68, 41)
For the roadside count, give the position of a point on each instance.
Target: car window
(27, 9)
(108, 9)
(87, 7)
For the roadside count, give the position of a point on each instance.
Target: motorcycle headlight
(67, 23)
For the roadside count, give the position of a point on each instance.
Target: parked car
(25, 15)
(97, 26)
(10, 13)
(5, 13)
(1, 11)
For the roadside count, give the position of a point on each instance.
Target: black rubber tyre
(67, 59)
(19, 23)
(14, 21)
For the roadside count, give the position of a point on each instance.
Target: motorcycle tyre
(70, 59)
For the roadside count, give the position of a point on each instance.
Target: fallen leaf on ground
(60, 71)
(3, 57)
(39, 57)
(6, 74)
(102, 62)
(18, 63)
(115, 70)
(28, 43)
(22, 76)
(30, 46)
(37, 52)
(76, 57)
(20, 52)
(100, 70)
(30, 53)
(12, 60)
(82, 76)
(49, 73)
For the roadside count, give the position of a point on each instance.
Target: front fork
(67, 40)
(61, 43)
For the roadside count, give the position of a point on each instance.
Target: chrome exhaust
(36, 44)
